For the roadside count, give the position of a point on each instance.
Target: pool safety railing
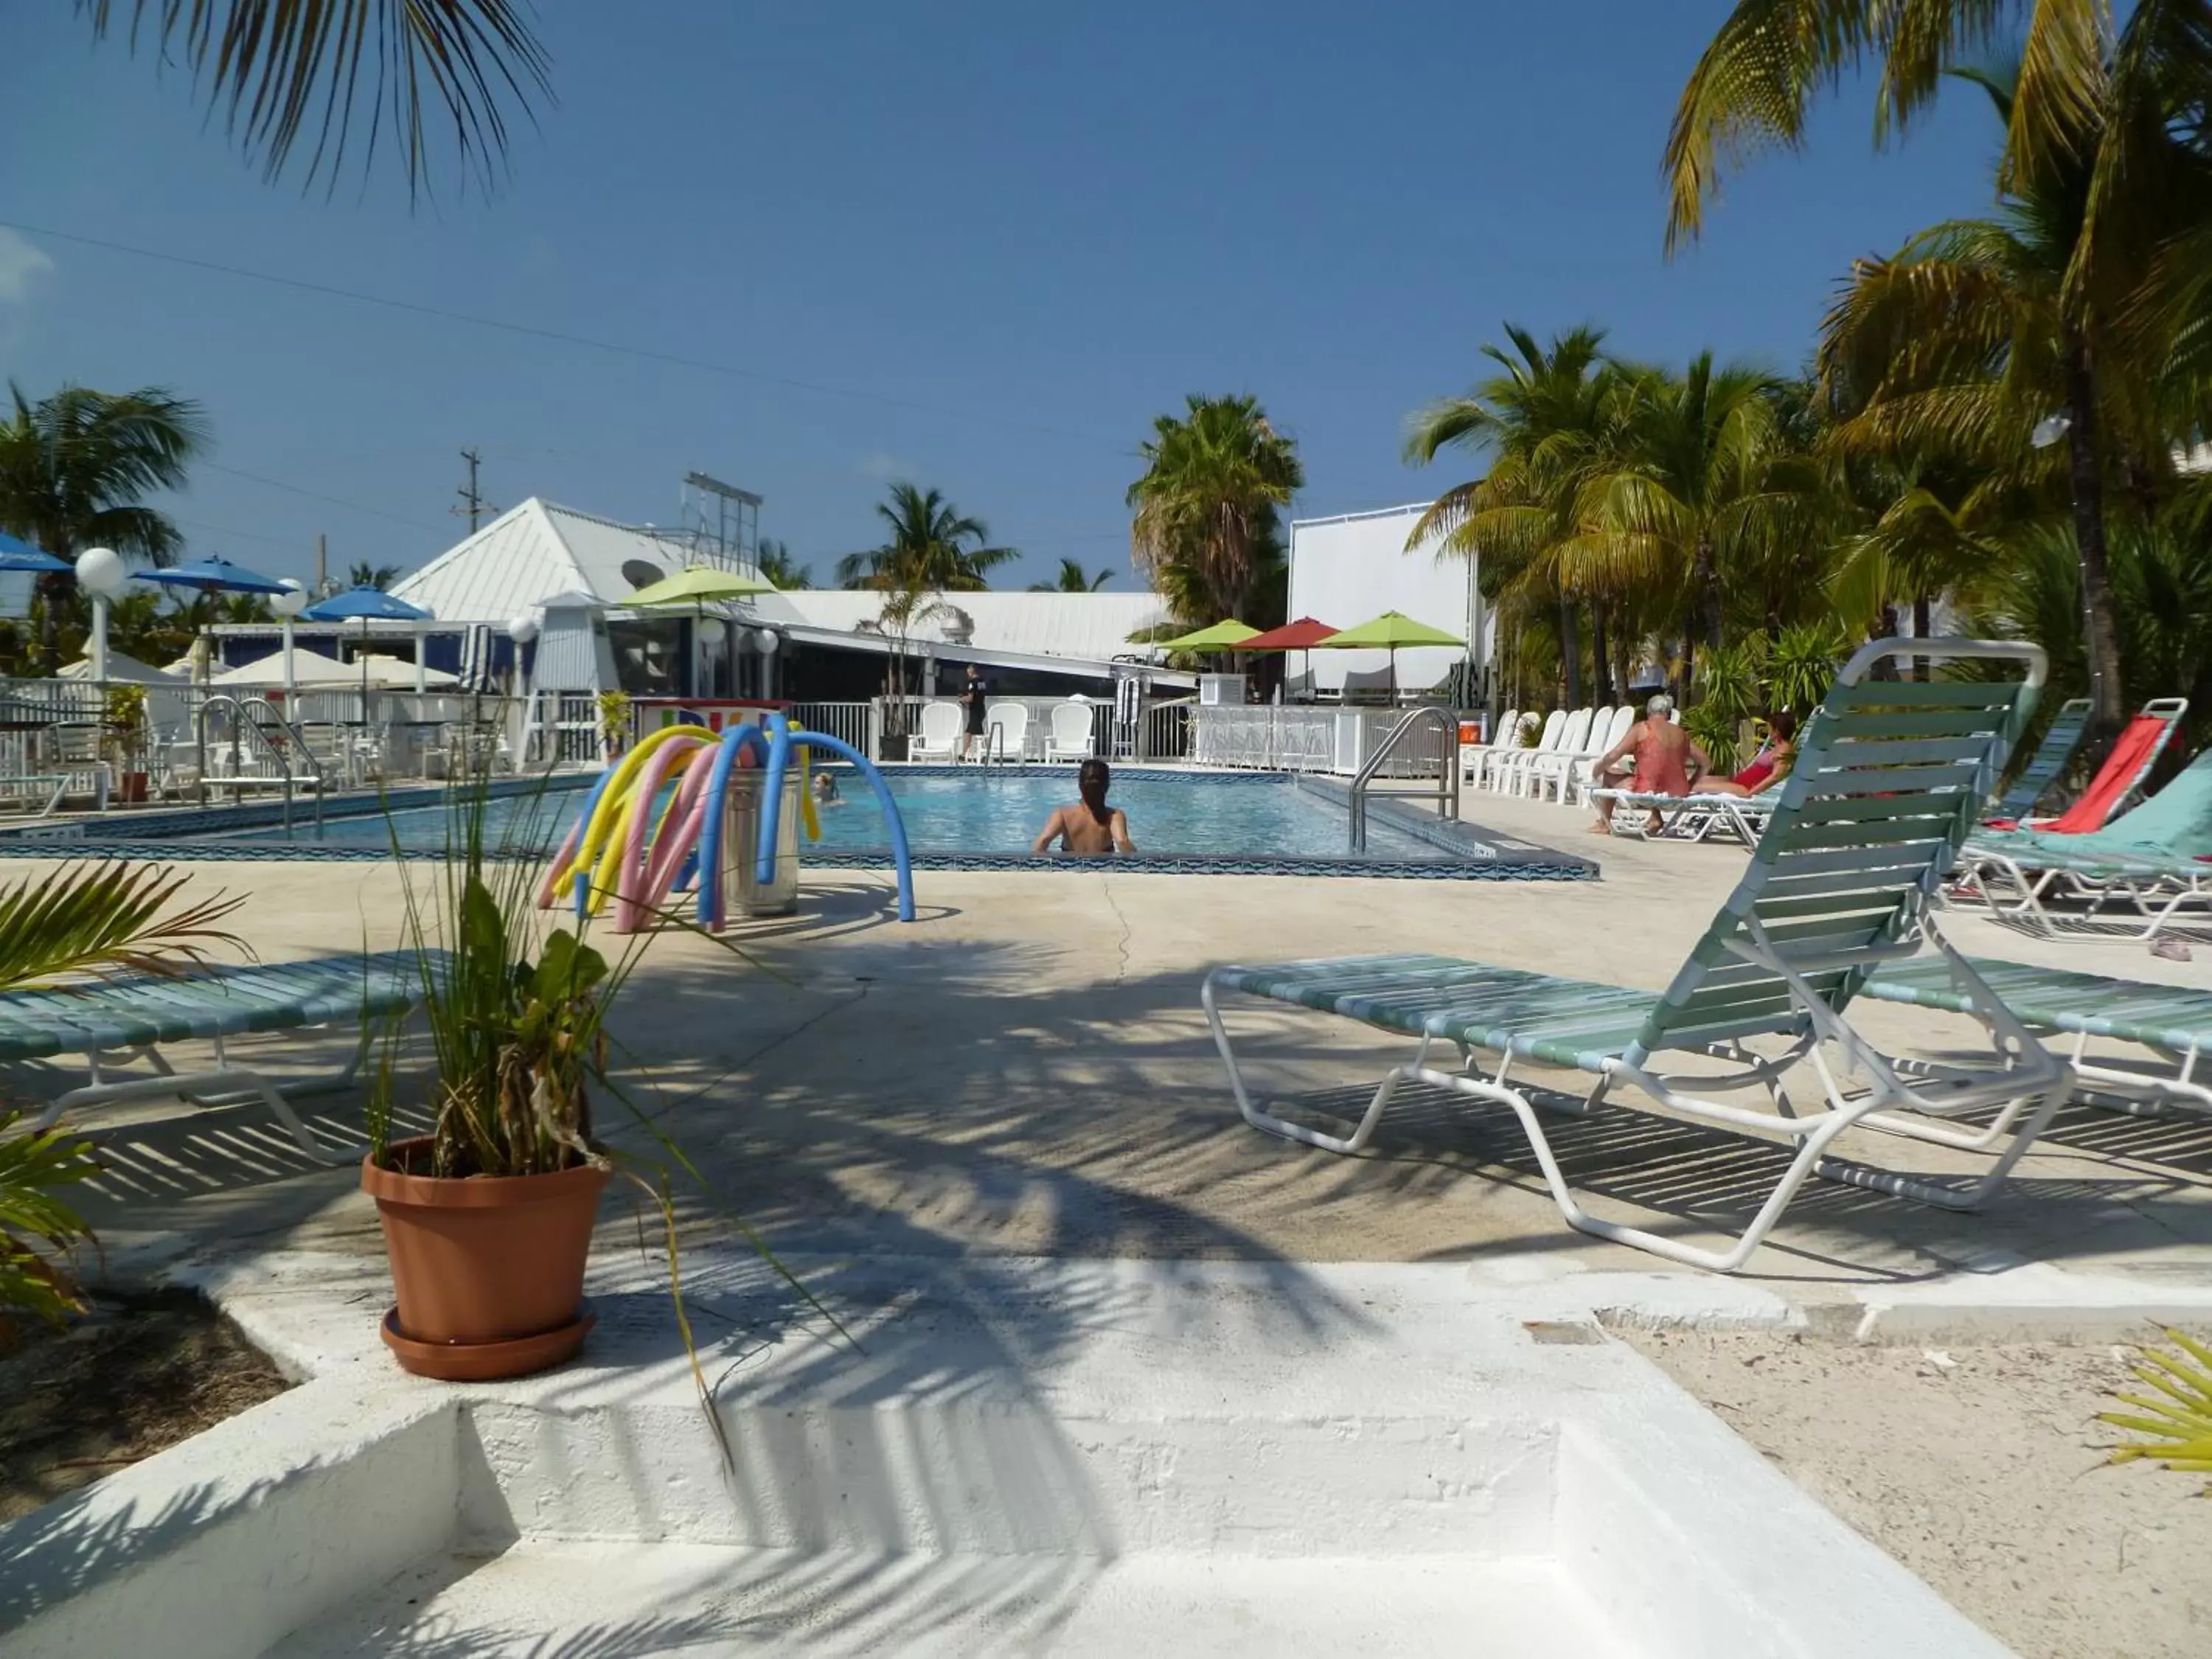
(274, 740)
(1444, 724)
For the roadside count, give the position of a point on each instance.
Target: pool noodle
(779, 758)
(629, 884)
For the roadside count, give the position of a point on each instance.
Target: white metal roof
(533, 553)
(1088, 627)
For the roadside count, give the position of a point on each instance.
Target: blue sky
(1017, 231)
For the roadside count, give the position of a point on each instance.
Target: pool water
(976, 812)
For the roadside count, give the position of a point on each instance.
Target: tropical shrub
(2177, 1423)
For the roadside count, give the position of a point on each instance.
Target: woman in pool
(1091, 827)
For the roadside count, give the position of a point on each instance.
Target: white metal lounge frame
(388, 985)
(1696, 817)
(2156, 890)
(1802, 930)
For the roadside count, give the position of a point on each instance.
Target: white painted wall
(1345, 570)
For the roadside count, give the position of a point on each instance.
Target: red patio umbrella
(1303, 634)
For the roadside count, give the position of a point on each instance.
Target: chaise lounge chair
(2173, 1022)
(104, 1019)
(1889, 777)
(2119, 781)
(2148, 856)
(1695, 817)
(2060, 740)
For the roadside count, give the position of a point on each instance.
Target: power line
(732, 370)
(317, 495)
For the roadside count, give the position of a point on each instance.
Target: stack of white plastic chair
(1473, 756)
(1549, 777)
(1505, 751)
(1514, 777)
(1603, 736)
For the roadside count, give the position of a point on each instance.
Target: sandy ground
(1983, 1471)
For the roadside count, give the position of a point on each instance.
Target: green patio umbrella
(697, 586)
(1389, 632)
(1225, 635)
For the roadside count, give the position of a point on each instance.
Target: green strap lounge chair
(1889, 777)
(2060, 740)
(2148, 857)
(2173, 1022)
(104, 1019)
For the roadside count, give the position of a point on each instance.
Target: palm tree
(932, 545)
(1964, 343)
(75, 468)
(1074, 579)
(1701, 486)
(774, 561)
(365, 575)
(1546, 422)
(1211, 500)
(281, 72)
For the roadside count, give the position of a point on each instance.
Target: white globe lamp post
(522, 630)
(288, 605)
(101, 572)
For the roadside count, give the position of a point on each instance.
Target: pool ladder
(1446, 786)
(262, 717)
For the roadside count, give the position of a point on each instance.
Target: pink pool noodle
(678, 832)
(630, 875)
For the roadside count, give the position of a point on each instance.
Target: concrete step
(688, 1601)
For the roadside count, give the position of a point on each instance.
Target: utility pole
(473, 506)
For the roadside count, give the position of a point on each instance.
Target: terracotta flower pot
(483, 1260)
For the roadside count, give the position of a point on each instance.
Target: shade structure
(699, 585)
(366, 604)
(363, 603)
(213, 574)
(313, 668)
(17, 555)
(1301, 636)
(1227, 635)
(1391, 631)
(122, 668)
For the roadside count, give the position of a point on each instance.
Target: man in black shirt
(972, 698)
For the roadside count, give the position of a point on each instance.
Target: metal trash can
(746, 894)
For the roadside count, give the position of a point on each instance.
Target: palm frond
(108, 919)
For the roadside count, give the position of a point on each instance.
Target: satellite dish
(641, 572)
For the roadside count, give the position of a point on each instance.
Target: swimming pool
(957, 817)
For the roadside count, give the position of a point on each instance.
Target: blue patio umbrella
(366, 604)
(213, 574)
(17, 555)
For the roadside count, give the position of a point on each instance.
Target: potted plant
(614, 723)
(125, 717)
(487, 1218)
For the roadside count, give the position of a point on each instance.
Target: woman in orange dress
(1665, 760)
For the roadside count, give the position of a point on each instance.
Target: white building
(1346, 569)
(570, 572)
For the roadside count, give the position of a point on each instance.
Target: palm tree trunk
(2099, 636)
(1601, 653)
(53, 590)
(1922, 627)
(1571, 652)
(1706, 589)
(1689, 668)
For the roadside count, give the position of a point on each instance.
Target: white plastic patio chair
(1550, 775)
(1519, 768)
(1069, 737)
(1006, 731)
(1473, 756)
(939, 739)
(1583, 779)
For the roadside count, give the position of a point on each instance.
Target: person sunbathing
(1091, 827)
(1665, 757)
(1768, 766)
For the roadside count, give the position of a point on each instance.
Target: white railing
(1278, 738)
(846, 722)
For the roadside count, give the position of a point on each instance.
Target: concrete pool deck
(1025, 1070)
(1008, 1118)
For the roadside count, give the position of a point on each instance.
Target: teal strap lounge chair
(104, 1019)
(2059, 742)
(1889, 777)
(2147, 856)
(2173, 1022)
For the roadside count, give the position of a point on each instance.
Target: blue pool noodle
(779, 761)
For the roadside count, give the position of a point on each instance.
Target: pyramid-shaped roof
(537, 550)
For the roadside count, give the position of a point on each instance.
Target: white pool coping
(1113, 1434)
